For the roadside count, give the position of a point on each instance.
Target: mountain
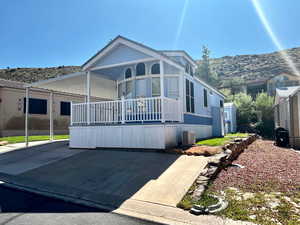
(254, 67)
(248, 67)
(29, 75)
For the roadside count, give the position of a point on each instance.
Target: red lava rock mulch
(265, 165)
(197, 150)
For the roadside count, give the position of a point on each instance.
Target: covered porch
(139, 86)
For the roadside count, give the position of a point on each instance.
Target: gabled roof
(285, 92)
(125, 41)
(179, 52)
(11, 84)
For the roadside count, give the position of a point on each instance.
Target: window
(36, 106)
(141, 88)
(140, 69)
(172, 87)
(120, 90)
(65, 108)
(128, 89)
(190, 101)
(128, 73)
(155, 86)
(187, 68)
(155, 69)
(191, 71)
(205, 98)
(221, 103)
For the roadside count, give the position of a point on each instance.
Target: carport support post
(51, 115)
(162, 91)
(88, 95)
(26, 114)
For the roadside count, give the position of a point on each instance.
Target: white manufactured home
(153, 96)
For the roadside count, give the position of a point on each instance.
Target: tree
(204, 71)
(264, 110)
(245, 112)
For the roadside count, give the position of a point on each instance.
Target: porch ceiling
(76, 84)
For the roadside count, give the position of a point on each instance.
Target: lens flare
(273, 36)
(179, 29)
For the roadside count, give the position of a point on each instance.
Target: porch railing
(126, 111)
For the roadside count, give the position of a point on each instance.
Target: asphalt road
(18, 207)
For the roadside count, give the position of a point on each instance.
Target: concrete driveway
(104, 176)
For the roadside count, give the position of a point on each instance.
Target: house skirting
(154, 136)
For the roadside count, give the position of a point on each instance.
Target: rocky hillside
(29, 75)
(248, 67)
(254, 67)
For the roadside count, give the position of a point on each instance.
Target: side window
(36, 106)
(128, 73)
(140, 69)
(155, 69)
(187, 68)
(221, 103)
(187, 95)
(191, 71)
(65, 108)
(205, 98)
(190, 100)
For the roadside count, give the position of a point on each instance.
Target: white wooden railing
(126, 110)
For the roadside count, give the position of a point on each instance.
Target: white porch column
(162, 91)
(88, 96)
(182, 95)
(26, 115)
(123, 110)
(51, 115)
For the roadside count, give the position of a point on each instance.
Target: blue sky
(40, 33)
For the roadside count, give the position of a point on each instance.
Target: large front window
(172, 87)
(141, 88)
(155, 86)
(128, 89)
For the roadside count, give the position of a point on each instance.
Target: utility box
(188, 138)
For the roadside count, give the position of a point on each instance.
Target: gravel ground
(266, 166)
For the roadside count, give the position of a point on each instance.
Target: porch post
(51, 115)
(26, 115)
(123, 110)
(162, 90)
(88, 95)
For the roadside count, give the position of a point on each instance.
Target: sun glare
(275, 40)
(180, 25)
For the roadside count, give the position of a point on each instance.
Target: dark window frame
(65, 108)
(190, 96)
(205, 98)
(37, 106)
(221, 104)
(138, 68)
(128, 73)
(155, 68)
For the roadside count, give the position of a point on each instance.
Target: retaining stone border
(217, 162)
